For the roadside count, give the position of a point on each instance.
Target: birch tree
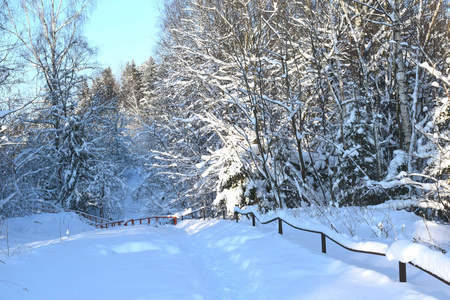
(52, 44)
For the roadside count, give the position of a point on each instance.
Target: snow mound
(433, 261)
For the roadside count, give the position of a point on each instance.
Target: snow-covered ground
(58, 256)
(132, 209)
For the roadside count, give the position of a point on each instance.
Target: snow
(183, 213)
(395, 164)
(230, 196)
(212, 259)
(3, 113)
(131, 209)
(433, 261)
(400, 228)
(309, 224)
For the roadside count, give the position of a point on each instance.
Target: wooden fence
(324, 237)
(141, 221)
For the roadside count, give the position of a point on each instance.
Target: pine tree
(131, 89)
(148, 72)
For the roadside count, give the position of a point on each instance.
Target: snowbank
(401, 250)
(311, 225)
(422, 256)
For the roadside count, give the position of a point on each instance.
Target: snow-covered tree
(324, 95)
(51, 41)
(131, 89)
(148, 72)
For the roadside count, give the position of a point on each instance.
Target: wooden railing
(45, 207)
(105, 223)
(92, 219)
(141, 221)
(197, 214)
(402, 266)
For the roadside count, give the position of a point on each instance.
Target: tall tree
(148, 74)
(319, 100)
(132, 88)
(52, 43)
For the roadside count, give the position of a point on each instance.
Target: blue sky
(123, 30)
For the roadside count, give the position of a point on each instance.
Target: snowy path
(131, 209)
(195, 260)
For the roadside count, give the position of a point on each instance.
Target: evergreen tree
(131, 89)
(148, 72)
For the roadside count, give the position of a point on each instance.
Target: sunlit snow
(211, 259)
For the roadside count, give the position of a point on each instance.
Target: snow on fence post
(324, 242)
(402, 271)
(280, 226)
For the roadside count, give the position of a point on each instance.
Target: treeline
(288, 103)
(66, 127)
(262, 102)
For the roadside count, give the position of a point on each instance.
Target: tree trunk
(405, 118)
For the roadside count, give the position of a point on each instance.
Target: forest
(270, 103)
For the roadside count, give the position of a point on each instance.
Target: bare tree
(52, 44)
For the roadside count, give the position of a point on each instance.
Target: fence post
(223, 213)
(253, 219)
(204, 214)
(236, 216)
(402, 271)
(324, 243)
(280, 226)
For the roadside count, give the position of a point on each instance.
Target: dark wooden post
(204, 213)
(324, 243)
(402, 271)
(280, 226)
(253, 220)
(223, 212)
(236, 216)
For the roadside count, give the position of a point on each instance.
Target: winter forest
(276, 104)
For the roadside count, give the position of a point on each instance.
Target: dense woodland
(278, 104)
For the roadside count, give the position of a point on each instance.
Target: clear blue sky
(123, 30)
